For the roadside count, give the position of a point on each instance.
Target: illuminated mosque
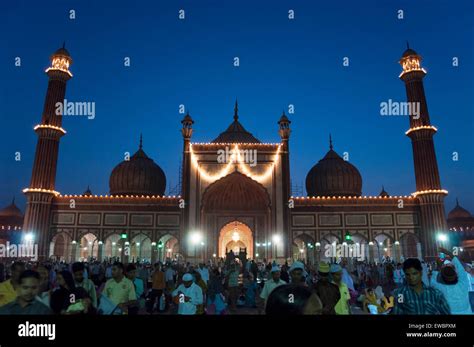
(233, 205)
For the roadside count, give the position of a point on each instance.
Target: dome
(284, 119)
(187, 119)
(11, 216)
(333, 176)
(88, 192)
(137, 176)
(458, 212)
(62, 51)
(383, 193)
(11, 211)
(235, 133)
(228, 193)
(409, 52)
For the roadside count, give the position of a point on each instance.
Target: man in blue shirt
(415, 297)
(26, 302)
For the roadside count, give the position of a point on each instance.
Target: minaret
(41, 191)
(187, 132)
(285, 131)
(428, 185)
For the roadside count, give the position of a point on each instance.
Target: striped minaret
(41, 191)
(428, 185)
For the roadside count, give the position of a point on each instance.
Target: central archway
(236, 236)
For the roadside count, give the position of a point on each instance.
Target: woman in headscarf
(67, 299)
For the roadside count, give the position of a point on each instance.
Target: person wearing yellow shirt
(371, 299)
(8, 288)
(119, 289)
(388, 302)
(342, 306)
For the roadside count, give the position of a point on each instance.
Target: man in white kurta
(272, 283)
(456, 294)
(188, 295)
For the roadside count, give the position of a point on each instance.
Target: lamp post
(443, 239)
(29, 237)
(379, 251)
(160, 247)
(201, 257)
(317, 245)
(397, 250)
(276, 241)
(195, 238)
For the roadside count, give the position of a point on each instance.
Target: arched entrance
(113, 246)
(409, 246)
(383, 246)
(168, 248)
(236, 236)
(235, 201)
(60, 246)
(140, 248)
(88, 247)
(303, 248)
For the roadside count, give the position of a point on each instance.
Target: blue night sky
(282, 62)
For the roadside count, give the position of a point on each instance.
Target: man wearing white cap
(298, 273)
(188, 296)
(272, 283)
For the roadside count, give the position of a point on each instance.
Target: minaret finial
(141, 141)
(408, 45)
(64, 44)
(236, 110)
(13, 200)
(330, 142)
(457, 202)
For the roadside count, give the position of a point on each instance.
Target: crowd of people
(233, 286)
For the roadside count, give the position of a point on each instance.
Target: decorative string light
(425, 127)
(60, 64)
(234, 143)
(430, 191)
(411, 63)
(10, 227)
(235, 161)
(212, 177)
(258, 177)
(40, 190)
(156, 197)
(47, 126)
(351, 197)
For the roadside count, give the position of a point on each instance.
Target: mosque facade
(235, 195)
